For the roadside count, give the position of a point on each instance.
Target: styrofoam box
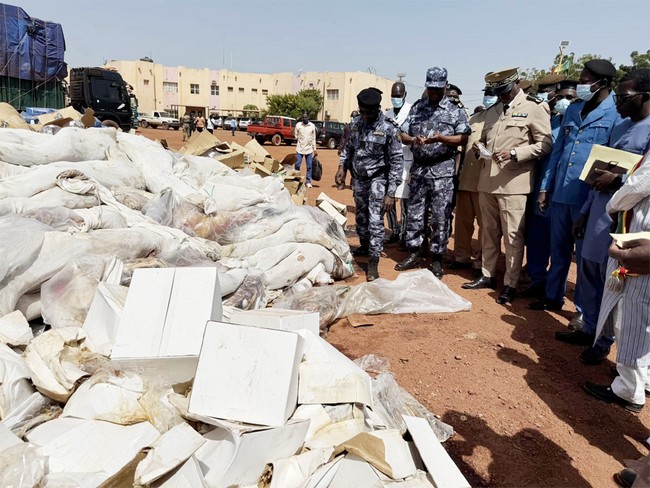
(277, 318)
(163, 321)
(247, 374)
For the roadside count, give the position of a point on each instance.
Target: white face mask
(488, 101)
(561, 106)
(543, 97)
(584, 91)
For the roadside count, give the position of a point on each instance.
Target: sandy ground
(512, 393)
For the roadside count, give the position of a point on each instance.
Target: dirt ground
(512, 393)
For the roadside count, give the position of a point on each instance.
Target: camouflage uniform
(432, 173)
(373, 154)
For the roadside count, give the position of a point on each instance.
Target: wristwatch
(513, 154)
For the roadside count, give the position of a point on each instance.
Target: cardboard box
(329, 209)
(234, 159)
(199, 142)
(163, 321)
(257, 152)
(340, 207)
(247, 374)
(298, 200)
(279, 319)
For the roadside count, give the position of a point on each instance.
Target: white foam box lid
(277, 318)
(247, 374)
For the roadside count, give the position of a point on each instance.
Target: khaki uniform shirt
(526, 128)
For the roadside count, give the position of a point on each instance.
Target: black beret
(454, 87)
(369, 97)
(601, 67)
(564, 84)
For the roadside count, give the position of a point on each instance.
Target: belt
(430, 161)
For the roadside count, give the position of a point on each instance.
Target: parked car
(243, 123)
(274, 128)
(217, 122)
(330, 133)
(226, 123)
(158, 119)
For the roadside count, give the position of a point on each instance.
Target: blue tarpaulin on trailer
(30, 49)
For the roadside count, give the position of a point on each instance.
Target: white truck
(158, 120)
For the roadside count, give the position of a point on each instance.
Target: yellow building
(177, 89)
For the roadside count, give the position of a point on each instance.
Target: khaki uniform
(467, 205)
(504, 187)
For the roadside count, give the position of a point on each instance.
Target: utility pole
(400, 77)
(563, 46)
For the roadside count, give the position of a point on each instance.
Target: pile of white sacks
(89, 206)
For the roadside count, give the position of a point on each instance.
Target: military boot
(372, 273)
(362, 250)
(436, 266)
(411, 262)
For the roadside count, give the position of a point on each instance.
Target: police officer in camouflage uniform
(373, 154)
(435, 127)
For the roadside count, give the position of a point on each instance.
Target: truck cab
(104, 91)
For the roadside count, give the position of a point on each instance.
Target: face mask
(584, 91)
(543, 97)
(562, 105)
(397, 102)
(488, 101)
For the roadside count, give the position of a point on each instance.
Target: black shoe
(625, 477)
(605, 393)
(436, 269)
(361, 251)
(459, 265)
(507, 295)
(534, 291)
(482, 282)
(546, 304)
(593, 355)
(577, 322)
(372, 273)
(576, 337)
(411, 262)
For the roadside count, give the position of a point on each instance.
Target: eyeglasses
(626, 97)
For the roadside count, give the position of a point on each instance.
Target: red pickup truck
(274, 128)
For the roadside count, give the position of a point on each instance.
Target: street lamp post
(563, 46)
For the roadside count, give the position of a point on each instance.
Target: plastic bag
(412, 292)
(391, 401)
(22, 465)
(316, 170)
(250, 294)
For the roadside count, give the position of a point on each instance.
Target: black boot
(362, 250)
(436, 266)
(411, 262)
(372, 273)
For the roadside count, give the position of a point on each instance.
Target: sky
(468, 37)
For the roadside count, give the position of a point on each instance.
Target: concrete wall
(161, 87)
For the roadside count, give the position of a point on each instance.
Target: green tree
(571, 67)
(291, 105)
(251, 110)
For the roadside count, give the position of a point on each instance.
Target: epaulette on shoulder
(393, 122)
(531, 98)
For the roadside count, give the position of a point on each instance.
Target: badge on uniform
(521, 115)
(378, 133)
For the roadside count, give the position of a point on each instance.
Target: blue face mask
(561, 106)
(543, 97)
(488, 101)
(584, 91)
(397, 102)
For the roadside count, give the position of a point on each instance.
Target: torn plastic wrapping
(413, 292)
(251, 294)
(167, 208)
(22, 465)
(391, 401)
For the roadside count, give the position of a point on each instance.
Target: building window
(170, 87)
(265, 92)
(254, 91)
(311, 85)
(194, 88)
(230, 89)
(241, 90)
(146, 82)
(332, 94)
(214, 90)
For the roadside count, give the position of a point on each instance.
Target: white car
(243, 123)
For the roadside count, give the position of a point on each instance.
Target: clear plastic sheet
(22, 465)
(391, 401)
(412, 292)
